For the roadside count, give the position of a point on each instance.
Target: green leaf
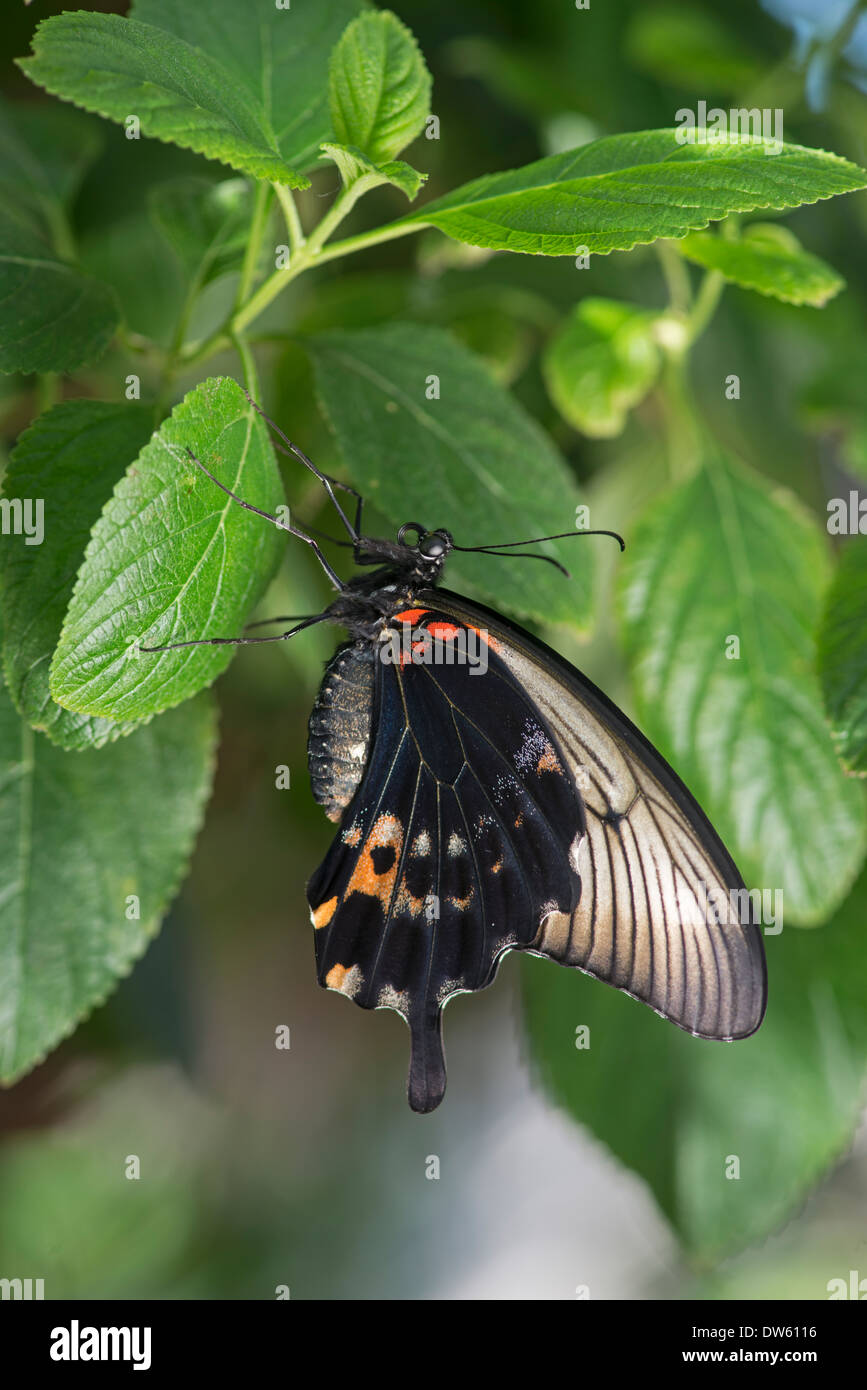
(53, 318)
(724, 565)
(172, 559)
(600, 364)
(88, 834)
(44, 154)
(246, 88)
(843, 656)
(470, 459)
(627, 190)
(767, 258)
(379, 87)
(69, 460)
(205, 223)
(355, 167)
(784, 1102)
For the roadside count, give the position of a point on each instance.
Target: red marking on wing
(444, 632)
(486, 637)
(410, 615)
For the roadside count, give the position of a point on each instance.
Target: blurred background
(304, 1167)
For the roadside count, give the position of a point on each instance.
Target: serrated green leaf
(354, 167)
(767, 258)
(843, 656)
(600, 364)
(69, 460)
(242, 84)
(88, 834)
(379, 87)
(53, 318)
(44, 154)
(784, 1102)
(627, 190)
(172, 559)
(724, 565)
(470, 459)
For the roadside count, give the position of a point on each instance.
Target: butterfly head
(430, 551)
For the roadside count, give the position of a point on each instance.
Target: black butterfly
(490, 798)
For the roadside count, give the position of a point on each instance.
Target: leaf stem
(376, 237)
(248, 364)
(290, 213)
(705, 304)
(47, 391)
(676, 275)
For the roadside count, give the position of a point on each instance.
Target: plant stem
(290, 213)
(681, 426)
(61, 231)
(840, 40)
(676, 276)
(258, 223)
(376, 237)
(248, 365)
(47, 391)
(705, 304)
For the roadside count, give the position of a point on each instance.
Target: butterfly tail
(426, 1084)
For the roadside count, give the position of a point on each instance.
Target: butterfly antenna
(516, 555)
(537, 540)
(327, 483)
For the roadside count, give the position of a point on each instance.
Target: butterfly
(489, 798)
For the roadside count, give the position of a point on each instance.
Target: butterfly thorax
(368, 601)
(342, 717)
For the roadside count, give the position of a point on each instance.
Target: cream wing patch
(653, 918)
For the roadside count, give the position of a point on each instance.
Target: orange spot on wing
(386, 833)
(410, 615)
(549, 762)
(323, 914)
(347, 978)
(463, 903)
(406, 901)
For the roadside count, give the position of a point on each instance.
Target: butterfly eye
(434, 545)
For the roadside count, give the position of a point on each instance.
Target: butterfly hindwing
(664, 914)
(455, 848)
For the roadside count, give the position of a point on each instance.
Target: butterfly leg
(240, 641)
(327, 483)
(281, 525)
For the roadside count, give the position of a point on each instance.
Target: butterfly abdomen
(339, 729)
